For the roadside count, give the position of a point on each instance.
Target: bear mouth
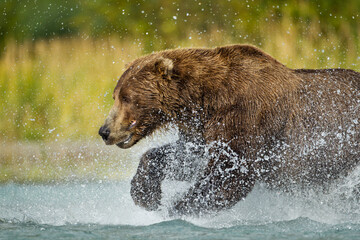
(126, 142)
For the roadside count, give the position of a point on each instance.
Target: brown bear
(251, 117)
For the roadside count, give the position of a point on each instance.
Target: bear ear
(164, 67)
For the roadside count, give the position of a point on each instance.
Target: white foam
(110, 203)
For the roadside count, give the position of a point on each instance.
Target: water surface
(105, 210)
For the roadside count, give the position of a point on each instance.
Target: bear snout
(104, 132)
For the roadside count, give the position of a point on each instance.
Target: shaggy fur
(256, 119)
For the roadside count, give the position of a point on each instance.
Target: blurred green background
(60, 60)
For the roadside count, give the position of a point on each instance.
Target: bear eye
(125, 99)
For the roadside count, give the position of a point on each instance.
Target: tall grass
(58, 89)
(61, 89)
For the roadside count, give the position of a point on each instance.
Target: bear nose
(104, 132)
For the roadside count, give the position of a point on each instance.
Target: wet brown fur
(267, 114)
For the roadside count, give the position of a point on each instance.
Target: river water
(105, 210)
(102, 208)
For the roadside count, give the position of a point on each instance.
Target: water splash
(109, 203)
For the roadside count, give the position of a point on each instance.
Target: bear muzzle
(126, 142)
(104, 132)
(123, 140)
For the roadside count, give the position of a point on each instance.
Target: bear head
(139, 101)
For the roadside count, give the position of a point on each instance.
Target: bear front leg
(224, 183)
(146, 184)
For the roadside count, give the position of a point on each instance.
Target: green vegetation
(159, 24)
(60, 60)
(59, 89)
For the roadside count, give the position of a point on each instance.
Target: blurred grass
(58, 89)
(64, 161)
